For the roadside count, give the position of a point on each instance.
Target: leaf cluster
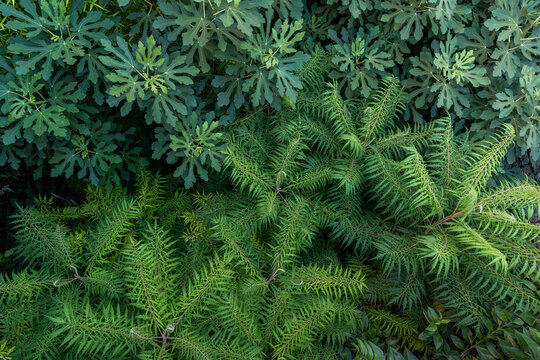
(411, 204)
(159, 273)
(341, 233)
(71, 72)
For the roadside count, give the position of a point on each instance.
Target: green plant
(113, 277)
(478, 59)
(413, 203)
(45, 117)
(60, 65)
(505, 336)
(342, 230)
(66, 65)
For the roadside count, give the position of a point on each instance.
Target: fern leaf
(25, 285)
(427, 194)
(299, 331)
(41, 240)
(482, 162)
(110, 231)
(349, 173)
(509, 195)
(213, 278)
(330, 281)
(472, 240)
(442, 251)
(150, 275)
(382, 108)
(236, 250)
(339, 115)
(296, 229)
(245, 171)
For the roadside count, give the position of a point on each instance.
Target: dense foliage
(357, 200)
(83, 81)
(343, 233)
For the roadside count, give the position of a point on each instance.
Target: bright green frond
(332, 281)
(110, 232)
(470, 239)
(383, 106)
(442, 252)
(479, 166)
(150, 274)
(42, 241)
(246, 172)
(427, 195)
(299, 331)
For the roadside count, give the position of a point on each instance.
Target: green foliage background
(344, 233)
(353, 205)
(88, 86)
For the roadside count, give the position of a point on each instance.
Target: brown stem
(446, 219)
(450, 217)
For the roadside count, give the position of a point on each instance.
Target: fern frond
(440, 248)
(173, 207)
(408, 291)
(360, 232)
(383, 106)
(444, 157)
(388, 189)
(507, 288)
(237, 250)
(487, 155)
(343, 324)
(511, 195)
(312, 73)
(213, 278)
(254, 140)
(402, 327)
(470, 239)
(339, 115)
(462, 301)
(25, 285)
(43, 241)
(150, 189)
(275, 312)
(17, 315)
(521, 255)
(367, 350)
(321, 352)
(192, 346)
(331, 281)
(378, 285)
(284, 125)
(316, 174)
(296, 229)
(40, 345)
(299, 331)
(106, 281)
(57, 214)
(237, 325)
(504, 224)
(426, 193)
(254, 116)
(150, 274)
(99, 199)
(246, 172)
(399, 253)
(320, 134)
(392, 144)
(87, 332)
(110, 232)
(287, 157)
(349, 173)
